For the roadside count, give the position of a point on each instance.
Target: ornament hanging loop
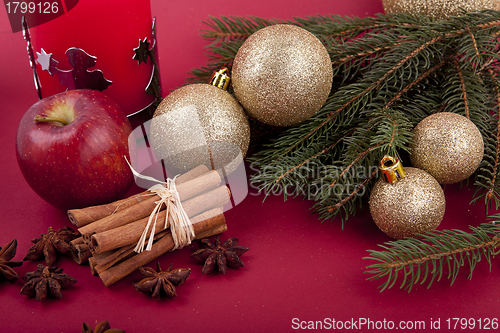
(391, 169)
(220, 79)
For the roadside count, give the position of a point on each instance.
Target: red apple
(71, 149)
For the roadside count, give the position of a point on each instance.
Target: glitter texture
(200, 124)
(282, 75)
(440, 9)
(448, 146)
(412, 205)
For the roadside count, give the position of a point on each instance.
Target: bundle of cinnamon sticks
(110, 232)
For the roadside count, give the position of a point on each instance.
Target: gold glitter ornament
(448, 146)
(200, 124)
(440, 9)
(282, 75)
(412, 203)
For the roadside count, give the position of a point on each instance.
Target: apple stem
(45, 119)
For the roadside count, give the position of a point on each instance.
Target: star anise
(50, 243)
(102, 327)
(156, 283)
(6, 254)
(44, 281)
(227, 254)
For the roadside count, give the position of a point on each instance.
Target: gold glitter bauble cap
(220, 79)
(391, 169)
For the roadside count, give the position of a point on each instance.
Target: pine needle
(434, 255)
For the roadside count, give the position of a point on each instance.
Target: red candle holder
(104, 45)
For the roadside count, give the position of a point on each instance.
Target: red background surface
(297, 267)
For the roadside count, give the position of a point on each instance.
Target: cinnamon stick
(79, 250)
(162, 246)
(87, 215)
(108, 259)
(131, 233)
(212, 232)
(81, 253)
(93, 264)
(165, 244)
(124, 253)
(76, 241)
(84, 216)
(128, 251)
(187, 190)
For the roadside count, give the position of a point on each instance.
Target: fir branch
(315, 156)
(335, 209)
(474, 43)
(362, 54)
(426, 259)
(294, 174)
(491, 62)
(348, 169)
(464, 91)
(391, 71)
(235, 28)
(491, 191)
(414, 83)
(488, 179)
(392, 132)
(338, 27)
(384, 133)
